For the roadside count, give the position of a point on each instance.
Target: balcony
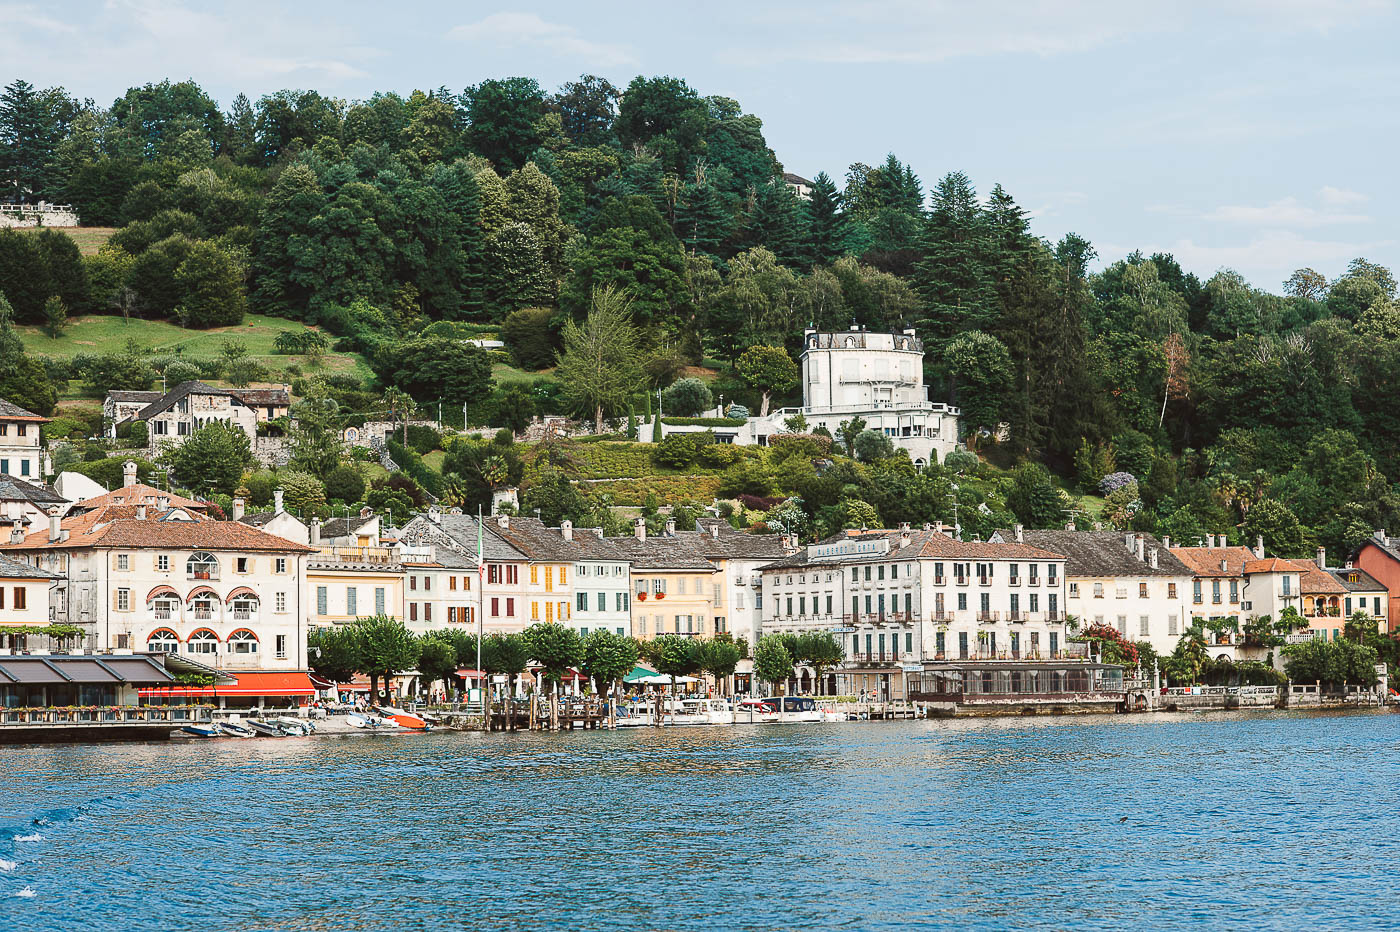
(1014, 581)
(203, 574)
(939, 580)
(1033, 581)
(1016, 615)
(984, 581)
(960, 580)
(877, 656)
(987, 618)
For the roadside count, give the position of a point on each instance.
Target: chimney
(1020, 533)
(277, 501)
(55, 525)
(315, 532)
(1128, 542)
(639, 528)
(238, 509)
(140, 512)
(435, 514)
(1152, 558)
(1166, 542)
(503, 522)
(1141, 548)
(368, 512)
(1259, 546)
(1069, 525)
(163, 502)
(1223, 566)
(16, 535)
(670, 527)
(566, 529)
(1322, 558)
(714, 531)
(128, 474)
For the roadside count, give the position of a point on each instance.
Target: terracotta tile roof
(1316, 580)
(139, 494)
(117, 526)
(1205, 561)
(1272, 565)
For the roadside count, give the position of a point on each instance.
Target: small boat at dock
(265, 728)
(295, 726)
(404, 719)
(236, 730)
(203, 731)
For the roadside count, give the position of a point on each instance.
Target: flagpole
(480, 609)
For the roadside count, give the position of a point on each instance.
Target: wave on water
(49, 817)
(8, 866)
(32, 836)
(26, 892)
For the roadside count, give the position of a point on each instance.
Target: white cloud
(1284, 214)
(1265, 259)
(1340, 197)
(12, 14)
(528, 30)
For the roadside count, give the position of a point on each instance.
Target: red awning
(471, 674)
(162, 590)
(320, 682)
(249, 684)
(201, 590)
(240, 592)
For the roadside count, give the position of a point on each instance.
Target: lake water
(1262, 821)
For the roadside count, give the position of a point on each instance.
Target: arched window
(163, 641)
(245, 607)
(202, 641)
(203, 604)
(202, 565)
(243, 642)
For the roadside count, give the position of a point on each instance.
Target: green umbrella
(637, 674)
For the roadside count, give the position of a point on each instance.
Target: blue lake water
(1262, 821)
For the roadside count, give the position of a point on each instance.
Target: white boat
(780, 710)
(236, 730)
(698, 712)
(356, 720)
(266, 729)
(295, 726)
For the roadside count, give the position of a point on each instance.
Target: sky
(1256, 135)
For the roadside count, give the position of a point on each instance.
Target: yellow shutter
(549, 579)
(535, 611)
(563, 575)
(549, 611)
(534, 575)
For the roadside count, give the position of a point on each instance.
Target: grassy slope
(89, 239)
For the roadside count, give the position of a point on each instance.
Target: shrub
(703, 421)
(133, 432)
(719, 455)
(530, 338)
(345, 484)
(687, 398)
(103, 373)
(1114, 481)
(181, 371)
(424, 439)
(872, 445)
(680, 450)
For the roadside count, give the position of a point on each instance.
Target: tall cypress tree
(955, 279)
(826, 223)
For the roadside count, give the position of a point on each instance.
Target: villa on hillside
(173, 415)
(848, 374)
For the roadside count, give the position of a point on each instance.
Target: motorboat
(781, 710)
(295, 726)
(265, 728)
(236, 730)
(698, 712)
(404, 719)
(356, 720)
(203, 731)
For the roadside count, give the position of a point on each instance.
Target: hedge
(701, 489)
(704, 421)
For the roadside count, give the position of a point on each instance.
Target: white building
(183, 410)
(1127, 581)
(602, 583)
(857, 374)
(899, 598)
(19, 442)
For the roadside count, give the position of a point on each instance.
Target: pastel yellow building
(675, 589)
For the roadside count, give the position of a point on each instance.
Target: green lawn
(89, 239)
(505, 374)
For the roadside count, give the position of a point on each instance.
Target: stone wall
(30, 215)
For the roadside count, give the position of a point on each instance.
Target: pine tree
(955, 279)
(702, 220)
(827, 227)
(774, 221)
(1008, 232)
(240, 133)
(26, 143)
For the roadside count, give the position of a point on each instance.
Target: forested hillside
(1191, 400)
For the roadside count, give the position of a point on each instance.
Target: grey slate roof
(1103, 553)
(183, 390)
(537, 541)
(13, 489)
(662, 553)
(10, 568)
(460, 530)
(732, 544)
(132, 397)
(258, 519)
(343, 527)
(1365, 582)
(10, 409)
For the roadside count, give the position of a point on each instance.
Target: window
(202, 565)
(280, 602)
(281, 647)
(1235, 589)
(321, 600)
(123, 562)
(452, 584)
(123, 599)
(510, 608)
(581, 598)
(789, 605)
(624, 601)
(1287, 587)
(427, 611)
(242, 642)
(1098, 590)
(1171, 590)
(534, 611)
(495, 607)
(1035, 601)
(894, 571)
(881, 574)
(1196, 591)
(1123, 625)
(1142, 590)
(412, 611)
(280, 565)
(1052, 573)
(352, 600)
(828, 605)
(563, 575)
(493, 573)
(379, 600)
(534, 575)
(867, 574)
(163, 563)
(1171, 626)
(1074, 590)
(163, 642)
(658, 586)
(202, 641)
(962, 601)
(241, 565)
(1121, 591)
(1142, 625)
(1215, 591)
(21, 429)
(412, 582)
(602, 602)
(681, 585)
(1015, 603)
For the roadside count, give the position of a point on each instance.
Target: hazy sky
(1260, 135)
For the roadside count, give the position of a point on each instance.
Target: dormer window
(202, 565)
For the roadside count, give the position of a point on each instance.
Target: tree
(687, 398)
(587, 108)
(771, 661)
(1306, 283)
(303, 493)
(386, 648)
(556, 649)
(871, 445)
(980, 374)
(1279, 527)
(719, 657)
(598, 366)
(211, 459)
(956, 278)
(503, 119)
(345, 484)
(767, 369)
(437, 660)
(211, 284)
(432, 369)
(607, 658)
(822, 650)
(55, 317)
(1033, 498)
(505, 655)
(529, 336)
(848, 431)
(27, 140)
(827, 225)
(334, 653)
(673, 656)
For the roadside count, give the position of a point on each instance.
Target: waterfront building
(1129, 581)
(675, 589)
(898, 598)
(1331, 595)
(545, 575)
(1379, 556)
(20, 453)
(347, 582)
(498, 596)
(169, 580)
(602, 582)
(1231, 585)
(856, 373)
(24, 599)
